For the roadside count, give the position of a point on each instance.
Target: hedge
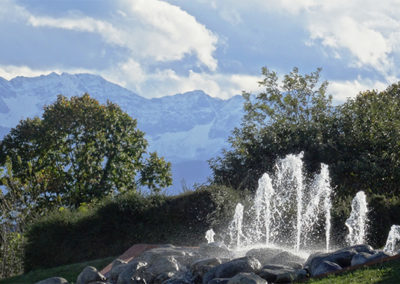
(116, 224)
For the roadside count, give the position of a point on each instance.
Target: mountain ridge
(187, 128)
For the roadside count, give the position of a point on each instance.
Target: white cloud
(169, 33)
(217, 85)
(342, 90)
(84, 24)
(168, 82)
(9, 72)
(152, 30)
(363, 28)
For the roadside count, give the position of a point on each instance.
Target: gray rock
(209, 275)
(325, 267)
(178, 281)
(295, 265)
(233, 267)
(246, 278)
(215, 249)
(378, 255)
(360, 258)
(134, 269)
(362, 248)
(162, 265)
(219, 281)
(89, 274)
(53, 280)
(275, 273)
(341, 257)
(264, 255)
(118, 266)
(285, 258)
(163, 277)
(202, 266)
(184, 256)
(301, 274)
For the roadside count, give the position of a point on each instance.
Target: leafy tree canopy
(359, 139)
(290, 115)
(81, 150)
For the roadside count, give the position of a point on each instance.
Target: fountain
(235, 227)
(286, 209)
(393, 240)
(357, 222)
(210, 236)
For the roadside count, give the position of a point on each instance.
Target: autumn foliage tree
(81, 150)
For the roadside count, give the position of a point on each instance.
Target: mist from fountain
(393, 240)
(210, 236)
(358, 220)
(286, 210)
(235, 227)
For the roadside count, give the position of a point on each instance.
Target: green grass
(69, 272)
(388, 272)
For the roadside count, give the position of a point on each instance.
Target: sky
(157, 48)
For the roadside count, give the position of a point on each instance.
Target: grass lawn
(388, 272)
(69, 272)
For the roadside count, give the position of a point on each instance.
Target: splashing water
(286, 211)
(393, 240)
(357, 222)
(210, 236)
(318, 206)
(235, 227)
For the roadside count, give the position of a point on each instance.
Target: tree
(289, 116)
(367, 155)
(81, 150)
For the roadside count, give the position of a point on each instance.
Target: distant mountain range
(187, 129)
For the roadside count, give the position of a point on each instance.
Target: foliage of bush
(113, 226)
(11, 254)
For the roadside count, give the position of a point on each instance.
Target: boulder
(214, 249)
(53, 280)
(246, 278)
(378, 255)
(89, 274)
(325, 267)
(134, 270)
(293, 264)
(362, 248)
(184, 256)
(360, 258)
(202, 266)
(341, 257)
(219, 281)
(162, 266)
(163, 277)
(264, 255)
(116, 269)
(285, 258)
(275, 273)
(233, 267)
(209, 275)
(177, 281)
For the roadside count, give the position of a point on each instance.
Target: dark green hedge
(115, 225)
(383, 212)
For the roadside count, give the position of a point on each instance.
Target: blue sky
(158, 48)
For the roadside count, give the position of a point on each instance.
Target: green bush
(383, 212)
(113, 226)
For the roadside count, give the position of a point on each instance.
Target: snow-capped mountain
(187, 129)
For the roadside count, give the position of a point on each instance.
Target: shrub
(116, 224)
